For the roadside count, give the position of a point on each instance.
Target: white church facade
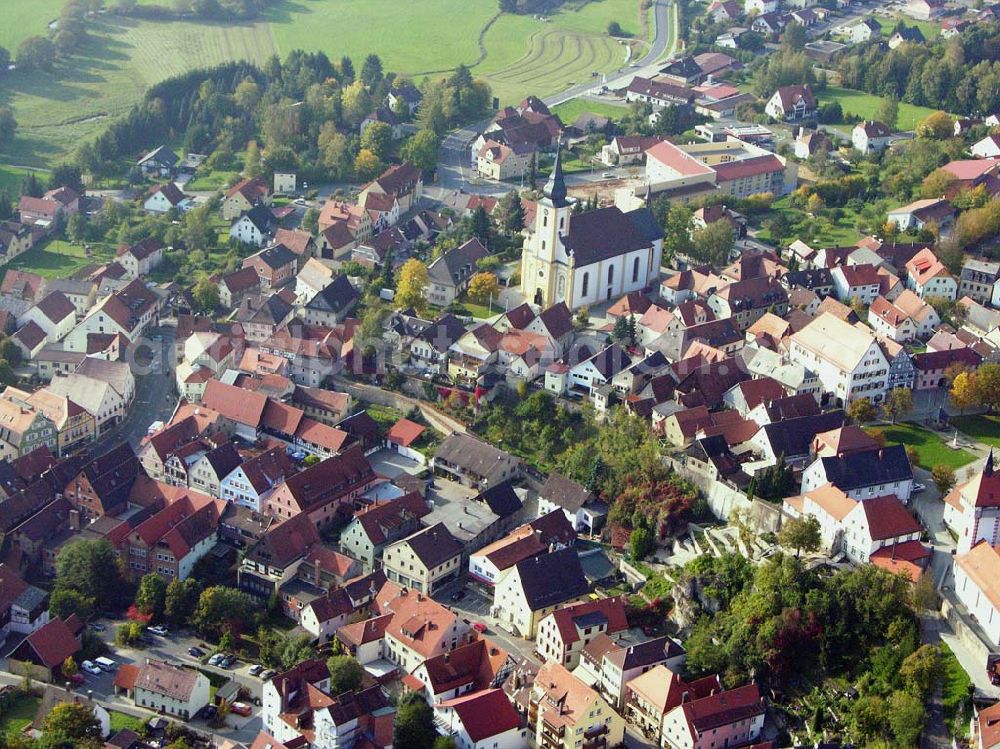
(589, 258)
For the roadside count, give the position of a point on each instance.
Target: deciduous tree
(377, 138)
(899, 401)
(367, 165)
(152, 595)
(801, 534)
(346, 674)
(943, 477)
(861, 411)
(422, 150)
(483, 287)
(411, 287)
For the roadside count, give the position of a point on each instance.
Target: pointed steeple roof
(988, 468)
(555, 188)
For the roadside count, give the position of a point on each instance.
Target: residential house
(164, 198)
(472, 462)
(926, 213)
(482, 720)
(74, 426)
(563, 710)
(404, 182)
(236, 286)
(274, 560)
(536, 587)
(331, 304)
(987, 148)
(906, 35)
(978, 280)
(792, 103)
(650, 696)
(105, 389)
(861, 283)
(500, 161)
(160, 162)
(43, 652)
(451, 272)
(23, 427)
(492, 562)
(372, 530)
(729, 718)
(927, 276)
(23, 607)
(580, 506)
(275, 266)
(419, 629)
(613, 665)
(141, 258)
(164, 688)
(244, 196)
(870, 135)
(855, 368)
(325, 491)
(864, 474)
(171, 541)
(103, 485)
(748, 300)
(254, 227)
(865, 30)
(563, 634)
(130, 311)
(426, 561)
(252, 482)
(473, 352)
(54, 314)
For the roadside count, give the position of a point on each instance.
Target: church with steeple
(972, 509)
(587, 258)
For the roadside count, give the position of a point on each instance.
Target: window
(586, 284)
(611, 274)
(635, 270)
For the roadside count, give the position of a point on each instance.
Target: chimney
(317, 572)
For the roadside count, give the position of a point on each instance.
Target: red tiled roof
(405, 432)
(485, 714)
(52, 644)
(888, 518)
(236, 404)
(909, 558)
(612, 608)
(748, 167)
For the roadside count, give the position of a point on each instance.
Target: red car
(240, 708)
(479, 627)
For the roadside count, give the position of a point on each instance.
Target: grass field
(122, 722)
(523, 55)
(570, 110)
(866, 106)
(19, 715)
(985, 429)
(956, 693)
(828, 232)
(59, 259)
(931, 449)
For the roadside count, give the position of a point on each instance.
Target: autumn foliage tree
(483, 287)
(412, 284)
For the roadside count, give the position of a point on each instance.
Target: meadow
(864, 105)
(517, 55)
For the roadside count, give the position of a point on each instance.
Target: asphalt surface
(155, 398)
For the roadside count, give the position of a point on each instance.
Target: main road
(453, 169)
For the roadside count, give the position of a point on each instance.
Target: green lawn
(572, 109)
(123, 722)
(60, 259)
(823, 231)
(985, 429)
(956, 690)
(19, 715)
(523, 55)
(930, 448)
(929, 29)
(863, 105)
(212, 180)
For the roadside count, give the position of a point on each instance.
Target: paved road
(153, 366)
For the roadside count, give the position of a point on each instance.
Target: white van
(105, 664)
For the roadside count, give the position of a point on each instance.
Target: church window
(545, 218)
(635, 270)
(586, 284)
(562, 222)
(611, 274)
(543, 244)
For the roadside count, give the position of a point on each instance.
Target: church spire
(988, 468)
(555, 188)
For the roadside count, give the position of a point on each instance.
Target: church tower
(544, 270)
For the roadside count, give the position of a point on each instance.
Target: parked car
(241, 708)
(159, 630)
(479, 627)
(208, 712)
(458, 595)
(228, 661)
(75, 679)
(267, 673)
(216, 659)
(98, 627)
(918, 487)
(91, 668)
(196, 652)
(256, 669)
